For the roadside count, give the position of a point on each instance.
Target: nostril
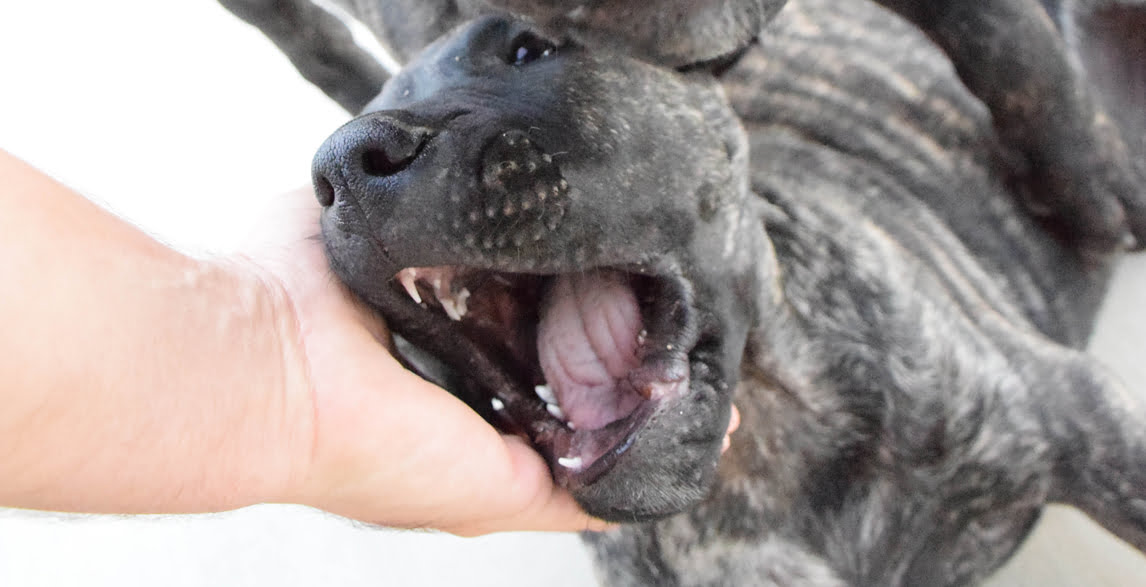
(324, 191)
(377, 163)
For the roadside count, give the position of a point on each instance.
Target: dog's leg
(320, 45)
(1010, 54)
(1098, 428)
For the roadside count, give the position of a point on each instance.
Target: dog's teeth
(460, 301)
(497, 404)
(545, 393)
(455, 306)
(409, 279)
(451, 309)
(555, 411)
(570, 462)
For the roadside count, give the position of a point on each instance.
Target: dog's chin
(592, 366)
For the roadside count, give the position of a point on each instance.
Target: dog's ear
(1109, 39)
(1097, 428)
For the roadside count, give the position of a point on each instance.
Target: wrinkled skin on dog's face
(548, 222)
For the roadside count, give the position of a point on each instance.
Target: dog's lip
(577, 458)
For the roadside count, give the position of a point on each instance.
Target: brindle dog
(833, 233)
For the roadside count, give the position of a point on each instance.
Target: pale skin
(140, 380)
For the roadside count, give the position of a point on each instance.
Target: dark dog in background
(900, 333)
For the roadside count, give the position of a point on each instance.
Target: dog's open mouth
(578, 361)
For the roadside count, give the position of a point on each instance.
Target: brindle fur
(912, 388)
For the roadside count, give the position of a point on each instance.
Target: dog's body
(903, 334)
(913, 270)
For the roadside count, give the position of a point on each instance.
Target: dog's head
(547, 223)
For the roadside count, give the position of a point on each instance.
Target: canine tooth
(570, 462)
(409, 278)
(451, 310)
(555, 411)
(545, 393)
(497, 404)
(460, 300)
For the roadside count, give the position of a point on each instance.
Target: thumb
(529, 500)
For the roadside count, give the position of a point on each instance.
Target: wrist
(278, 455)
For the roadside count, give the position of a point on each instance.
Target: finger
(533, 502)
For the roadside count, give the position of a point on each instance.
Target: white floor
(183, 120)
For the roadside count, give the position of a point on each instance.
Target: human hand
(388, 447)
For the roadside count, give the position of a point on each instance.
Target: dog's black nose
(370, 146)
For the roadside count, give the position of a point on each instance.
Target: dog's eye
(527, 48)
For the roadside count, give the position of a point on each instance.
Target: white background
(183, 120)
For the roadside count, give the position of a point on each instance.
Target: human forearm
(135, 379)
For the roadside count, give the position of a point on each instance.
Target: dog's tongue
(587, 342)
